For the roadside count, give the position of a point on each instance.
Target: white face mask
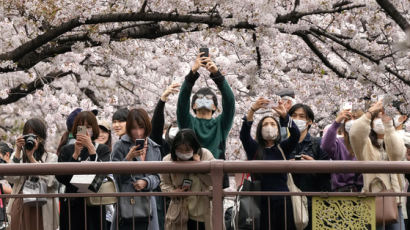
(348, 125)
(173, 132)
(378, 126)
(90, 132)
(301, 124)
(204, 103)
(184, 156)
(269, 133)
(396, 119)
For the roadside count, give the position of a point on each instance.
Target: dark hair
(63, 141)
(185, 137)
(204, 91)
(143, 121)
(39, 128)
(89, 117)
(109, 142)
(373, 134)
(120, 115)
(308, 111)
(259, 138)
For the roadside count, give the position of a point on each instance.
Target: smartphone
(82, 130)
(140, 142)
(298, 157)
(347, 106)
(380, 98)
(205, 52)
(187, 183)
(273, 102)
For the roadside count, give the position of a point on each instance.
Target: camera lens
(30, 143)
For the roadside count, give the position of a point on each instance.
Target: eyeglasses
(208, 96)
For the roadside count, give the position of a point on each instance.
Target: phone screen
(187, 183)
(205, 51)
(140, 142)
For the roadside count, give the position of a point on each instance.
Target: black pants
(95, 215)
(128, 225)
(277, 214)
(193, 225)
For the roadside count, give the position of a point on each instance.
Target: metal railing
(215, 168)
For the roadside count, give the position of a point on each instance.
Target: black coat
(77, 204)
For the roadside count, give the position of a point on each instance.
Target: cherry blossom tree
(56, 55)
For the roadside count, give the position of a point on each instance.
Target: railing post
(217, 175)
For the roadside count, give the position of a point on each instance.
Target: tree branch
(24, 89)
(391, 10)
(294, 16)
(319, 54)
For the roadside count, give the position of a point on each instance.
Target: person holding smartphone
(374, 138)
(187, 148)
(268, 146)
(341, 149)
(136, 145)
(211, 132)
(85, 130)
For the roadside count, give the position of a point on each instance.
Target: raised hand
(199, 62)
(343, 116)
(281, 110)
(260, 103)
(172, 89)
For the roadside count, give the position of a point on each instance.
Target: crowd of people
(355, 135)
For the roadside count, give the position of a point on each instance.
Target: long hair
(39, 128)
(262, 142)
(373, 134)
(356, 114)
(63, 141)
(89, 117)
(109, 141)
(186, 137)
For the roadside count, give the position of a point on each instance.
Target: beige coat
(365, 151)
(199, 207)
(49, 210)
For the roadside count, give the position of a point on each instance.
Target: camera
(30, 140)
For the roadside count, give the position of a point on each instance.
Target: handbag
(299, 203)
(107, 186)
(177, 215)
(34, 186)
(134, 207)
(385, 207)
(247, 212)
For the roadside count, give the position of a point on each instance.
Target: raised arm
(329, 144)
(184, 118)
(158, 118)
(393, 141)
(359, 133)
(289, 144)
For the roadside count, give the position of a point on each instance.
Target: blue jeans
(399, 225)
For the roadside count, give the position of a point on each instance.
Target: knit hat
(71, 118)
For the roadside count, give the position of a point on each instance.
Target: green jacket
(211, 133)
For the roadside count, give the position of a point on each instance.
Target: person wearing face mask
(126, 149)
(186, 147)
(308, 149)
(164, 140)
(267, 147)
(373, 138)
(340, 149)
(21, 215)
(85, 148)
(212, 132)
(398, 121)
